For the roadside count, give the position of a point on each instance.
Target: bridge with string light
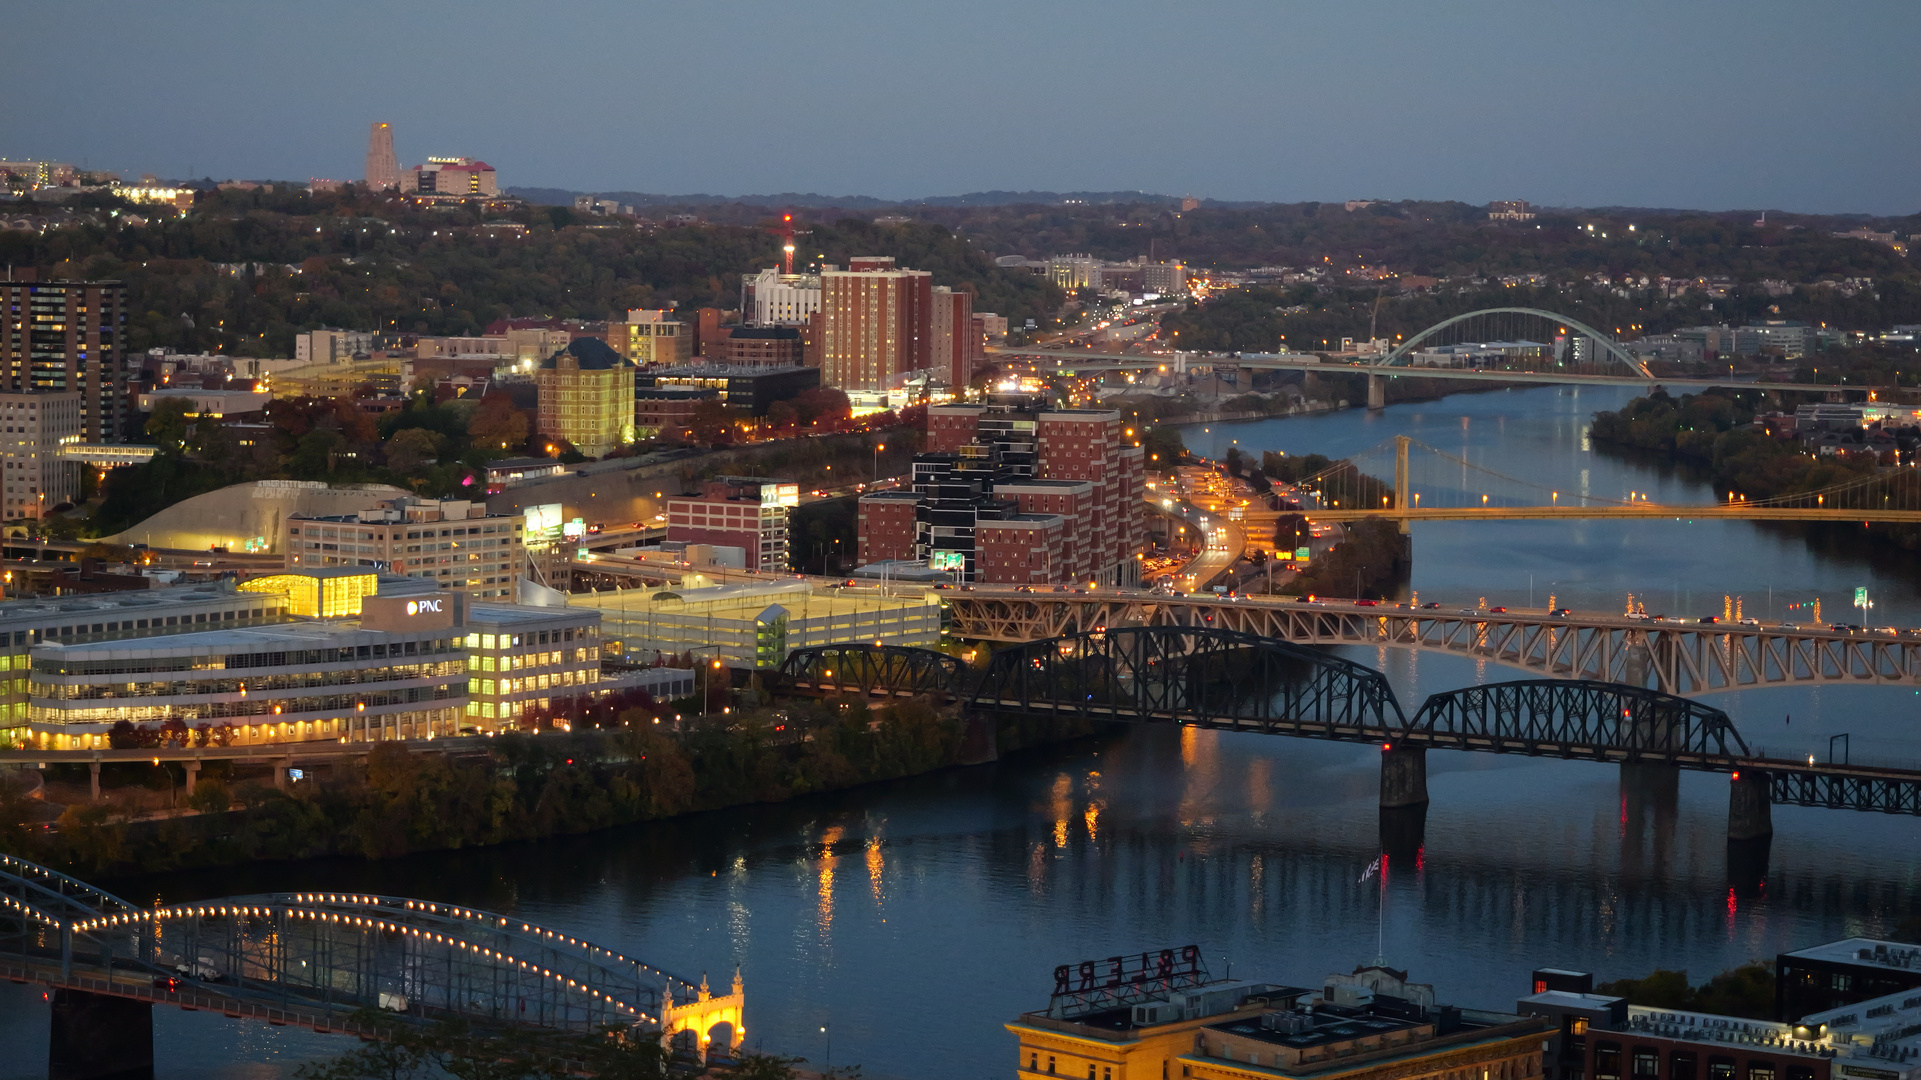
(325, 961)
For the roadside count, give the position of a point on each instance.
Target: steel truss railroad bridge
(1232, 680)
(322, 959)
(1682, 657)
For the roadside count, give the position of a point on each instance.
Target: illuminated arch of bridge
(1398, 356)
(316, 959)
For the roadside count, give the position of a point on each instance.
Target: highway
(1075, 360)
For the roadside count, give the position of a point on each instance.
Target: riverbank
(524, 788)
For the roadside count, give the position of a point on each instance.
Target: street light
(877, 449)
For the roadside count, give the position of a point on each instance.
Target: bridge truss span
(1194, 676)
(896, 670)
(1683, 658)
(1577, 718)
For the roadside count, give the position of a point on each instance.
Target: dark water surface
(914, 918)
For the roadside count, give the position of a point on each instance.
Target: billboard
(543, 525)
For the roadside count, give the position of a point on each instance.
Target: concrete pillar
(193, 775)
(1403, 831)
(1377, 392)
(93, 774)
(1637, 662)
(1750, 805)
(1403, 776)
(280, 773)
(95, 1037)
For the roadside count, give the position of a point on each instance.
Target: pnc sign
(430, 606)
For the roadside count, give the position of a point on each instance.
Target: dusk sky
(1751, 104)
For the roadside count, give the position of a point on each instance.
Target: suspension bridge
(1235, 681)
(1501, 344)
(1428, 484)
(324, 960)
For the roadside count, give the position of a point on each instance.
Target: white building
(329, 346)
(772, 298)
(32, 429)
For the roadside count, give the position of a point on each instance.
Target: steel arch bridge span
(892, 670)
(1191, 676)
(1397, 357)
(317, 959)
(1578, 718)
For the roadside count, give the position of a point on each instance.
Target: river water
(912, 919)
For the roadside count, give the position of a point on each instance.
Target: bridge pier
(1750, 805)
(1403, 831)
(1376, 392)
(1403, 776)
(93, 776)
(96, 1037)
(1637, 661)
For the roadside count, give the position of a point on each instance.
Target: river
(912, 919)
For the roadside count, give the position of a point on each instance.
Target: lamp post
(878, 447)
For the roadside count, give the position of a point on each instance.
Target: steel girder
(1578, 718)
(1191, 676)
(872, 669)
(1845, 789)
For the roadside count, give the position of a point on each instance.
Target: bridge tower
(705, 1015)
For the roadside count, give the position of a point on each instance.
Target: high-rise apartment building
(1164, 277)
(383, 168)
(876, 325)
(453, 543)
(956, 340)
(60, 337)
(587, 396)
(32, 428)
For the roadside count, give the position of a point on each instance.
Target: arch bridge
(319, 959)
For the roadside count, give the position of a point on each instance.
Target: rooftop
(591, 354)
(518, 614)
(1894, 955)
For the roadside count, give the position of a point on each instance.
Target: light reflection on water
(977, 882)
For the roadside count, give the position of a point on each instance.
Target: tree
(167, 427)
(497, 425)
(713, 422)
(411, 450)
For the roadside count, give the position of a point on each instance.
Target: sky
(1755, 104)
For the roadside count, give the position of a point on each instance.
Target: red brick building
(876, 324)
(667, 412)
(747, 512)
(1018, 494)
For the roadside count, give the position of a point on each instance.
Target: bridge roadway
(1737, 511)
(1683, 657)
(319, 960)
(1070, 360)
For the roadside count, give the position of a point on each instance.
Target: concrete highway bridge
(323, 960)
(1614, 366)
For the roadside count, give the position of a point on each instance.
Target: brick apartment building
(1015, 493)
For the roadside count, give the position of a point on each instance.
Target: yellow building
(1158, 1017)
(587, 397)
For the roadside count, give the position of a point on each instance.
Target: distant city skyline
(1761, 105)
